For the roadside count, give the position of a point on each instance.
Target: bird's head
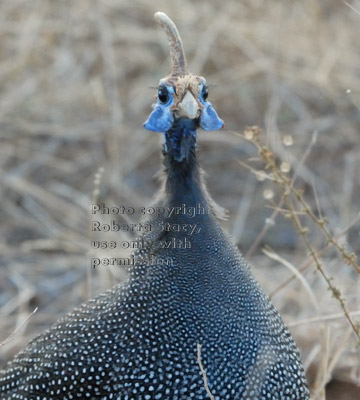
(182, 98)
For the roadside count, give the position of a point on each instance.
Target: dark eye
(205, 93)
(163, 95)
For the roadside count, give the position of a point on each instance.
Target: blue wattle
(160, 120)
(209, 119)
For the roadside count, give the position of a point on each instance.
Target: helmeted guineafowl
(141, 339)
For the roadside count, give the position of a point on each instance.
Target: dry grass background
(76, 83)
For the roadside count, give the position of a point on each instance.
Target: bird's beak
(188, 107)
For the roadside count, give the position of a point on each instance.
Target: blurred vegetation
(77, 81)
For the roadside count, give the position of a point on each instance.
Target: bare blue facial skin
(162, 118)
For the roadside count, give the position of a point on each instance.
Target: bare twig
(23, 323)
(292, 196)
(203, 372)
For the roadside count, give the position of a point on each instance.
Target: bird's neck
(183, 181)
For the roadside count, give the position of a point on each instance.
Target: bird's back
(140, 340)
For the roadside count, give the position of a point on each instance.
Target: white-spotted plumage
(139, 340)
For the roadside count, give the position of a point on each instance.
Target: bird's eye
(205, 93)
(163, 95)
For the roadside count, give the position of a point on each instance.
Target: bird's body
(141, 339)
